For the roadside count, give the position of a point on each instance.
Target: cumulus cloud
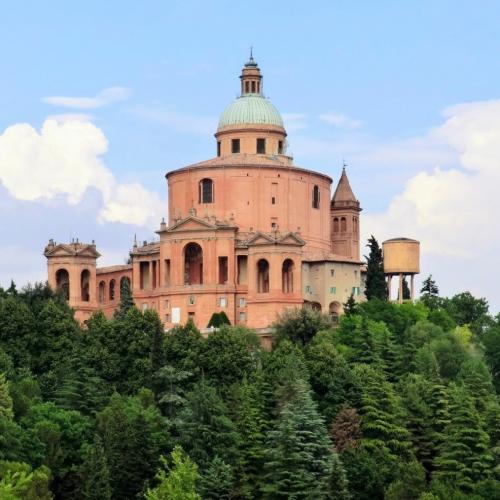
(341, 121)
(103, 98)
(454, 211)
(64, 159)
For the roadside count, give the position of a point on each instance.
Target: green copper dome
(250, 109)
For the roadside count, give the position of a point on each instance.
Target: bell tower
(344, 216)
(72, 270)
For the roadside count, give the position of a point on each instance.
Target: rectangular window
(191, 315)
(144, 306)
(355, 274)
(280, 147)
(154, 273)
(222, 302)
(218, 148)
(242, 302)
(274, 192)
(167, 272)
(242, 317)
(235, 145)
(332, 272)
(261, 146)
(273, 200)
(144, 275)
(176, 315)
(166, 304)
(308, 289)
(333, 290)
(242, 270)
(355, 290)
(223, 270)
(167, 318)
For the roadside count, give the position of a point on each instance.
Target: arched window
(355, 224)
(315, 200)
(62, 282)
(123, 280)
(85, 285)
(206, 194)
(343, 225)
(102, 292)
(193, 264)
(335, 224)
(112, 286)
(334, 310)
(287, 276)
(262, 276)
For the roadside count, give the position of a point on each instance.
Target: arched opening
(193, 264)
(334, 310)
(355, 224)
(206, 194)
(62, 282)
(102, 292)
(112, 286)
(123, 280)
(262, 276)
(287, 276)
(343, 224)
(85, 285)
(315, 200)
(336, 225)
(315, 306)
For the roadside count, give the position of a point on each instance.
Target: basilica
(248, 233)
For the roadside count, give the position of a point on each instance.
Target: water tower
(401, 258)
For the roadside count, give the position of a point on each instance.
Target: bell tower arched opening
(62, 282)
(85, 285)
(287, 276)
(262, 276)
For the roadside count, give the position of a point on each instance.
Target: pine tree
(375, 279)
(5, 399)
(339, 485)
(350, 306)
(464, 457)
(12, 290)
(345, 430)
(429, 287)
(298, 455)
(96, 484)
(177, 482)
(216, 483)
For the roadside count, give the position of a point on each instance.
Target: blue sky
(406, 92)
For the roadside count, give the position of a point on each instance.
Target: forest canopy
(396, 401)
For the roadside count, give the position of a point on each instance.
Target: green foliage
(218, 319)
(300, 325)
(126, 300)
(19, 482)
(298, 455)
(491, 341)
(465, 309)
(350, 306)
(96, 473)
(375, 286)
(176, 482)
(217, 481)
(5, 399)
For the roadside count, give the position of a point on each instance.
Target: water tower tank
(401, 256)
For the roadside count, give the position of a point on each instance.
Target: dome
(250, 109)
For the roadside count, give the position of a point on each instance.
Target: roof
(344, 191)
(114, 269)
(408, 240)
(249, 160)
(250, 109)
(329, 257)
(75, 248)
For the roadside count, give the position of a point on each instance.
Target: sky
(98, 100)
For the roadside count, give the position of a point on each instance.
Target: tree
(339, 485)
(465, 309)
(464, 457)
(429, 287)
(126, 299)
(375, 278)
(216, 483)
(178, 481)
(491, 341)
(350, 306)
(300, 325)
(5, 399)
(298, 455)
(96, 473)
(406, 290)
(345, 430)
(18, 481)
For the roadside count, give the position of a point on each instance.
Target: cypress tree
(375, 278)
(298, 455)
(126, 299)
(350, 306)
(96, 485)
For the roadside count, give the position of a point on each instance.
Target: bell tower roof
(344, 196)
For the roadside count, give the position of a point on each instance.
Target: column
(412, 287)
(389, 287)
(400, 295)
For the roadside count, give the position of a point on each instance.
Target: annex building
(248, 233)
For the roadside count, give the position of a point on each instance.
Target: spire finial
(344, 164)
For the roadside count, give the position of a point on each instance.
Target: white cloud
(70, 117)
(454, 212)
(341, 121)
(103, 98)
(65, 159)
(181, 122)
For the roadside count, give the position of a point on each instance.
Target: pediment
(261, 239)
(72, 250)
(291, 239)
(192, 223)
